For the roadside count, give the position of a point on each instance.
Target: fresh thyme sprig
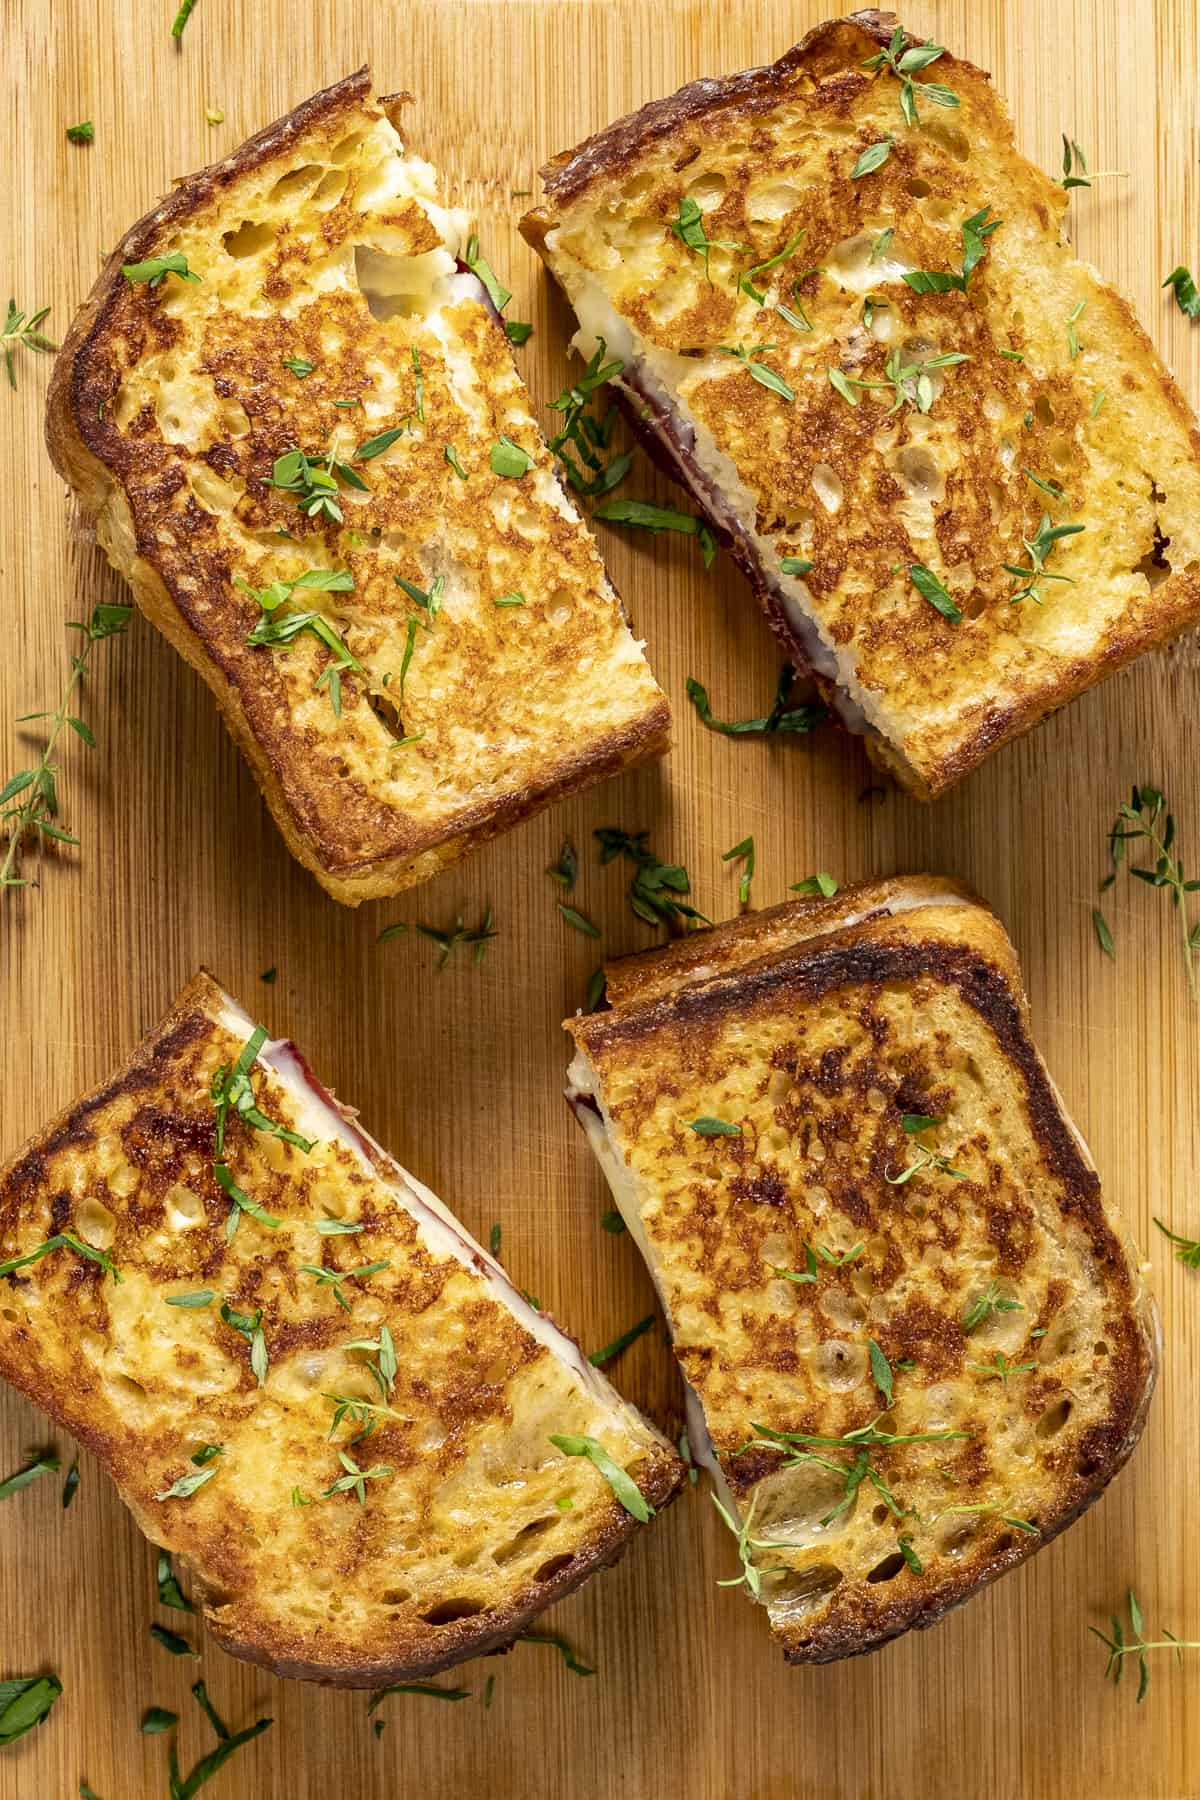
(336, 1278)
(648, 517)
(1039, 547)
(1187, 1249)
(913, 1125)
(1119, 1646)
(356, 1478)
(762, 372)
(18, 331)
(743, 851)
(587, 434)
(751, 1575)
(1139, 819)
(448, 941)
(29, 799)
(278, 631)
(1075, 172)
(315, 485)
(975, 232)
(366, 1414)
(910, 382)
(688, 227)
(992, 1300)
(904, 64)
(1000, 1369)
(863, 1441)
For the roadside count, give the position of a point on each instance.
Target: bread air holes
(397, 286)
(802, 1591)
(839, 1367)
(1054, 1418)
(707, 190)
(526, 1541)
(1155, 565)
(395, 1596)
(1043, 412)
(889, 1568)
(919, 188)
(448, 1612)
(343, 151)
(95, 1225)
(827, 486)
(182, 1209)
(557, 1565)
(250, 238)
(766, 205)
(329, 189)
(296, 182)
(916, 470)
(793, 1505)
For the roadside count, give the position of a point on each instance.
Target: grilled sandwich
(291, 409)
(304, 1376)
(942, 450)
(914, 1337)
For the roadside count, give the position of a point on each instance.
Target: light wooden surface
(460, 1073)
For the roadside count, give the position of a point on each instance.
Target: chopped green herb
(1075, 172)
(512, 599)
(203, 1771)
(1039, 547)
(905, 1546)
(299, 365)
(336, 1227)
(975, 232)
(214, 115)
(1048, 487)
(705, 1126)
(623, 1486)
(1188, 1251)
(992, 1300)
(494, 1240)
(517, 331)
(25, 1701)
(1140, 820)
(497, 293)
(70, 1485)
(746, 284)
(931, 589)
(155, 268)
(654, 882)
(20, 330)
(923, 1158)
(418, 385)
(1119, 1647)
(200, 1695)
(429, 601)
(586, 434)
(81, 134)
(171, 1640)
(578, 921)
(451, 456)
(356, 1478)
(780, 718)
(186, 8)
(376, 446)
(599, 1358)
(751, 1575)
(613, 1222)
(185, 1485)
(509, 459)
(765, 376)
(561, 1645)
(595, 990)
(42, 1465)
(249, 1326)
(156, 1719)
(744, 851)
(648, 517)
(63, 1240)
(841, 385)
(1187, 297)
(822, 883)
(419, 1687)
(685, 1451)
(488, 1689)
(205, 1454)
(1073, 318)
(1000, 1369)
(904, 64)
(1104, 936)
(201, 1297)
(881, 1371)
(688, 227)
(336, 1278)
(448, 941)
(873, 157)
(566, 870)
(169, 1591)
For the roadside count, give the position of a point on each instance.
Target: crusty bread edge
(902, 946)
(69, 416)
(659, 1478)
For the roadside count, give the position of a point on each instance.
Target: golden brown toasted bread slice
(469, 661)
(343, 1415)
(874, 453)
(915, 1339)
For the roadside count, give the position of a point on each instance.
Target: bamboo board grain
(460, 1073)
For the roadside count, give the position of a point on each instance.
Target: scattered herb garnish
(781, 717)
(512, 599)
(184, 1788)
(751, 1575)
(746, 284)
(688, 227)
(198, 1298)
(181, 18)
(366, 1414)
(863, 1442)
(517, 331)
(654, 883)
(200, 1695)
(1039, 547)
(599, 1358)
(384, 1370)
(561, 1645)
(63, 1240)
(647, 517)
(1000, 1368)
(613, 1222)
(578, 921)
(913, 1124)
(588, 434)
(21, 330)
(205, 1454)
(82, 133)
(1140, 819)
(795, 315)
(169, 1591)
(29, 799)
(418, 385)
(418, 1687)
(242, 1203)
(685, 1451)
(1048, 487)
(911, 382)
(42, 1465)
(873, 157)
(905, 1546)
(70, 1485)
(249, 1325)
(1119, 1647)
(24, 1702)
(1075, 172)
(744, 851)
(992, 1300)
(156, 268)
(881, 1371)
(171, 1640)
(498, 294)
(623, 1486)
(975, 231)
(764, 375)
(595, 990)
(315, 486)
(1073, 317)
(706, 1126)
(566, 870)
(278, 629)
(931, 589)
(231, 1086)
(509, 459)
(376, 446)
(452, 457)
(1188, 1251)
(1186, 296)
(822, 883)
(356, 1478)
(904, 64)
(448, 941)
(335, 1278)
(157, 1719)
(428, 599)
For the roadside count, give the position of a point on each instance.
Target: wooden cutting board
(460, 1072)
